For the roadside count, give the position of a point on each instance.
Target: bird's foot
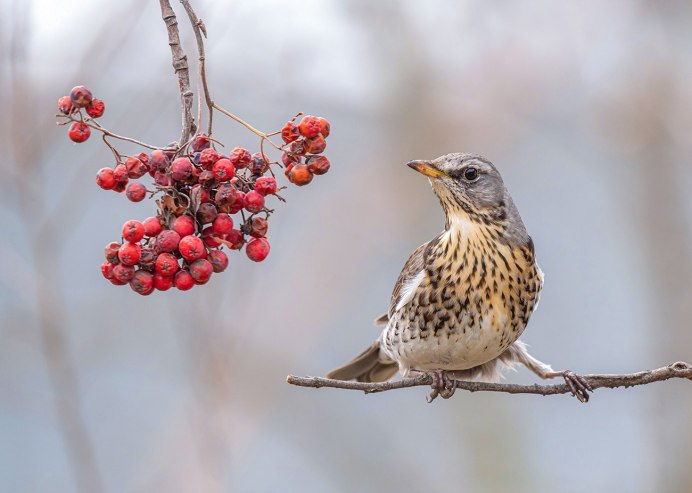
(578, 385)
(442, 385)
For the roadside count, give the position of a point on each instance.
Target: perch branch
(675, 370)
(182, 70)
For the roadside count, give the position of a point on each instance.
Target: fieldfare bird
(462, 299)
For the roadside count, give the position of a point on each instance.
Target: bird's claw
(442, 385)
(578, 385)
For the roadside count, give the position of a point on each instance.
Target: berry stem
(252, 129)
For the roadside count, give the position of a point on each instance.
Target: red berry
(136, 191)
(206, 178)
(162, 283)
(201, 270)
(65, 105)
(200, 194)
(259, 164)
(166, 264)
(120, 176)
(79, 132)
(129, 253)
(107, 269)
(200, 142)
(183, 280)
(289, 159)
(135, 167)
(226, 194)
(208, 157)
(206, 213)
(167, 241)
(315, 145)
(123, 273)
(265, 185)
(257, 249)
(325, 127)
(191, 248)
(240, 157)
(238, 205)
(210, 238)
(81, 96)
(152, 226)
(111, 252)
(318, 165)
(290, 132)
(158, 160)
(181, 169)
(162, 179)
(223, 170)
(105, 178)
(259, 227)
(253, 201)
(147, 260)
(184, 226)
(142, 282)
(297, 148)
(96, 108)
(309, 126)
(236, 239)
(301, 175)
(222, 225)
(219, 260)
(133, 231)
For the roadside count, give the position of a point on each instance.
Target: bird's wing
(411, 276)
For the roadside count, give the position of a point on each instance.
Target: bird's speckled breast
(472, 303)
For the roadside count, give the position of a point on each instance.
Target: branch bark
(674, 370)
(182, 70)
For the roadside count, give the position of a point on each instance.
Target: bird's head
(471, 189)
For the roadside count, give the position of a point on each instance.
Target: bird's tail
(369, 366)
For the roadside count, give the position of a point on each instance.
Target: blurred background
(586, 108)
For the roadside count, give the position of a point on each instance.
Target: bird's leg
(577, 384)
(442, 385)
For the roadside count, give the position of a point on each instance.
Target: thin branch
(259, 133)
(675, 370)
(89, 122)
(181, 68)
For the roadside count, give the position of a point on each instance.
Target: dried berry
(240, 157)
(135, 191)
(259, 227)
(81, 96)
(142, 282)
(265, 185)
(181, 169)
(201, 270)
(318, 165)
(96, 108)
(219, 260)
(315, 145)
(135, 167)
(290, 132)
(65, 105)
(301, 175)
(167, 241)
(79, 132)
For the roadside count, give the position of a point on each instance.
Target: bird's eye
(471, 173)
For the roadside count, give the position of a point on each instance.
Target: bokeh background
(585, 107)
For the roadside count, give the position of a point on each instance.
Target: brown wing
(412, 267)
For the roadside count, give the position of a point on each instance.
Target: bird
(462, 299)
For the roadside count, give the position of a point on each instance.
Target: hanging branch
(675, 370)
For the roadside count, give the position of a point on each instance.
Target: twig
(675, 370)
(181, 68)
(259, 133)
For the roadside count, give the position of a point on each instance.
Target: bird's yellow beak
(427, 168)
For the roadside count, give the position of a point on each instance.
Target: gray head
(471, 189)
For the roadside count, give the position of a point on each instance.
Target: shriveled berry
(166, 264)
(253, 201)
(105, 178)
(152, 226)
(219, 260)
(301, 175)
(133, 231)
(259, 227)
(259, 164)
(162, 283)
(235, 239)
(183, 280)
(96, 108)
(240, 157)
(238, 204)
(129, 253)
(290, 132)
(135, 167)
(265, 185)
(226, 195)
(159, 160)
(184, 225)
(191, 248)
(201, 270)
(206, 178)
(318, 165)
(111, 252)
(297, 148)
(65, 105)
(181, 169)
(206, 213)
(290, 159)
(325, 127)
(147, 258)
(200, 142)
(257, 249)
(79, 132)
(223, 170)
(135, 191)
(210, 238)
(167, 241)
(222, 225)
(162, 179)
(80, 96)
(123, 273)
(200, 194)
(120, 176)
(208, 157)
(107, 269)
(315, 145)
(142, 282)
(309, 126)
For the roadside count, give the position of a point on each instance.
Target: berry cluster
(206, 200)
